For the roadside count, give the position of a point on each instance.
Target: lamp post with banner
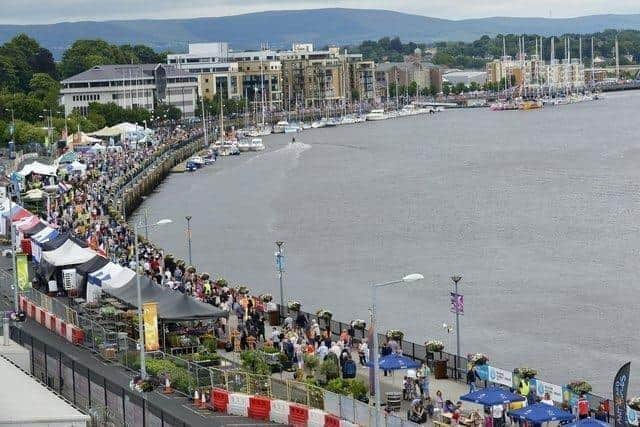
(280, 269)
(457, 307)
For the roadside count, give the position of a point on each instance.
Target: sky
(49, 11)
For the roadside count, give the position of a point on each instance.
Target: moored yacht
(376, 115)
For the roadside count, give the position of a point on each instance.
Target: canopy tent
(107, 132)
(541, 413)
(18, 213)
(76, 166)
(68, 254)
(492, 396)
(588, 422)
(172, 305)
(81, 138)
(68, 157)
(40, 238)
(38, 168)
(41, 225)
(109, 276)
(83, 270)
(97, 148)
(61, 239)
(35, 194)
(27, 223)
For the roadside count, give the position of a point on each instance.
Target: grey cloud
(47, 11)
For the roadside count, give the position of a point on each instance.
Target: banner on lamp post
(457, 303)
(22, 271)
(150, 318)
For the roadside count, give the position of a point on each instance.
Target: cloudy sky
(47, 11)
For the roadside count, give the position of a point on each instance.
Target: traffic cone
(203, 401)
(167, 386)
(196, 398)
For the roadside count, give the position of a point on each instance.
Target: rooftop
(24, 392)
(124, 72)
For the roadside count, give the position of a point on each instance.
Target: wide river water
(538, 211)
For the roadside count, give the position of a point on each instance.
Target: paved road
(179, 407)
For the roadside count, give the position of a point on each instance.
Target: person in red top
(583, 407)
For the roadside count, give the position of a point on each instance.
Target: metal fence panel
(347, 410)
(332, 403)
(362, 413)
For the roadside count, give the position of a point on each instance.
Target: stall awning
(44, 235)
(60, 240)
(27, 223)
(94, 264)
(35, 229)
(172, 305)
(38, 168)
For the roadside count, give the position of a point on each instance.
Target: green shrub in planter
(525, 373)
(329, 369)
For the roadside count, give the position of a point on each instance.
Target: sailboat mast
(221, 117)
(593, 76)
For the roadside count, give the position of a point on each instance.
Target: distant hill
(320, 26)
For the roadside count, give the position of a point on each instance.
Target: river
(538, 211)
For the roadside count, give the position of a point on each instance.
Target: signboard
(541, 387)
(620, 386)
(150, 317)
(69, 279)
(500, 376)
(632, 416)
(22, 269)
(279, 262)
(457, 303)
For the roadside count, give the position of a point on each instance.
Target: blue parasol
(492, 396)
(541, 413)
(395, 362)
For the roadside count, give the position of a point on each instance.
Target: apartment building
(137, 85)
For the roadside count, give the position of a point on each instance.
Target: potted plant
(634, 403)
(434, 346)
(579, 387)
(525, 373)
(266, 298)
(359, 324)
(293, 305)
(478, 359)
(221, 283)
(394, 334)
(325, 315)
(242, 290)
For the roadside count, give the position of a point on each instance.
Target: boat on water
(292, 128)
(255, 144)
(503, 106)
(530, 105)
(332, 122)
(306, 126)
(228, 150)
(260, 130)
(280, 126)
(376, 115)
(209, 157)
(347, 120)
(318, 124)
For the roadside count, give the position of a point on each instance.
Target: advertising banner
(22, 269)
(500, 376)
(150, 318)
(541, 387)
(620, 386)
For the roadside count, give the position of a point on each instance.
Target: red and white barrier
(40, 315)
(220, 400)
(298, 415)
(331, 420)
(49, 320)
(316, 417)
(238, 404)
(259, 408)
(279, 411)
(61, 328)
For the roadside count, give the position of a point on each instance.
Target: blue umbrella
(588, 422)
(396, 361)
(492, 396)
(541, 413)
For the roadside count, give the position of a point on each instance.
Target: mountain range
(320, 26)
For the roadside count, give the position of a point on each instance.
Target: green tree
(446, 88)
(45, 88)
(84, 54)
(413, 88)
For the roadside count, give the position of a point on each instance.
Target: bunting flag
(620, 386)
(372, 372)
(150, 317)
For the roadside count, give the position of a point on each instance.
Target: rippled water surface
(537, 210)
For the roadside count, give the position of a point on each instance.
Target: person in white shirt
(547, 400)
(322, 351)
(335, 349)
(496, 413)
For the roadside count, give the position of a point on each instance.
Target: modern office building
(136, 85)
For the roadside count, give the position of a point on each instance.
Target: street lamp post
(188, 218)
(280, 267)
(456, 279)
(376, 365)
(143, 368)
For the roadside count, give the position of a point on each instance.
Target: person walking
(425, 372)
(583, 407)
(471, 379)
